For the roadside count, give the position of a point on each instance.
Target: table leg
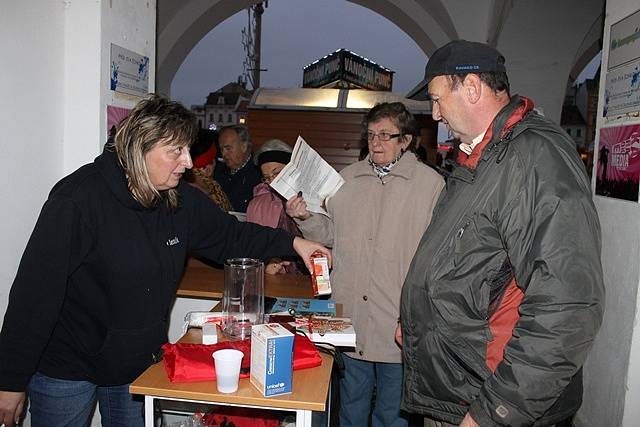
(303, 418)
(148, 411)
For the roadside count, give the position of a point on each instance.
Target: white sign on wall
(129, 71)
(622, 90)
(624, 42)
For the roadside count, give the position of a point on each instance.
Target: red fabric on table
(186, 362)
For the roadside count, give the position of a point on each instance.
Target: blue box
(271, 359)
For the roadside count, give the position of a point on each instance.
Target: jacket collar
(115, 179)
(510, 115)
(248, 164)
(404, 168)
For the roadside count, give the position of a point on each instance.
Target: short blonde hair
(152, 121)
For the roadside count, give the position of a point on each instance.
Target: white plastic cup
(227, 363)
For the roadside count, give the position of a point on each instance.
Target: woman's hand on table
(277, 267)
(305, 248)
(296, 208)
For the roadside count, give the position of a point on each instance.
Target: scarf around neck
(383, 170)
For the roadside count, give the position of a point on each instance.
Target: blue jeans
(55, 402)
(356, 394)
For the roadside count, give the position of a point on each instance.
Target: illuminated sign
(350, 68)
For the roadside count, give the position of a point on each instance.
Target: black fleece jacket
(97, 279)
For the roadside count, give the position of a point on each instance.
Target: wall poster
(618, 171)
(624, 41)
(129, 71)
(114, 117)
(622, 81)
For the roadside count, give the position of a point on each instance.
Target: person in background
(88, 308)
(237, 174)
(505, 293)
(203, 154)
(267, 207)
(374, 225)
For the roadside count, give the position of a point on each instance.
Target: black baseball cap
(461, 57)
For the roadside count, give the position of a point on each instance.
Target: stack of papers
(309, 173)
(337, 331)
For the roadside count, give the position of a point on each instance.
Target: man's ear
(472, 87)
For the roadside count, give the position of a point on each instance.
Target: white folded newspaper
(309, 173)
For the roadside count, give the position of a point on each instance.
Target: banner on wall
(114, 117)
(618, 171)
(129, 71)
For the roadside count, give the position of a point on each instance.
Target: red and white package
(320, 274)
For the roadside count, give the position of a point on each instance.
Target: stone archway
(543, 41)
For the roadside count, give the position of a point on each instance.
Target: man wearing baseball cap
(505, 292)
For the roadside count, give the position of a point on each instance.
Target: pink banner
(618, 171)
(115, 116)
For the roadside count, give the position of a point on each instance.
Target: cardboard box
(320, 275)
(271, 359)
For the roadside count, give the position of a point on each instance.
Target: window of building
(210, 117)
(220, 118)
(578, 133)
(221, 100)
(229, 118)
(568, 131)
(199, 123)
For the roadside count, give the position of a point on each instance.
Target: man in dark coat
(505, 293)
(237, 174)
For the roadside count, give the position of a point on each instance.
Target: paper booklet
(332, 330)
(309, 173)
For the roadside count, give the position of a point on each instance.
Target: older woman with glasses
(89, 305)
(375, 222)
(267, 207)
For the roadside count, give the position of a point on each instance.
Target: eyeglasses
(382, 136)
(268, 178)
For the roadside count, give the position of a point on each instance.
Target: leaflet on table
(297, 306)
(332, 330)
(309, 173)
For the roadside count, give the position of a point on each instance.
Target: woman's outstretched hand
(305, 248)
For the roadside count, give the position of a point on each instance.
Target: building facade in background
(578, 118)
(224, 107)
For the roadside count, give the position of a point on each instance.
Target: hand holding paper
(310, 173)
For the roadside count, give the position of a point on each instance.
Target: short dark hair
(241, 130)
(496, 81)
(398, 113)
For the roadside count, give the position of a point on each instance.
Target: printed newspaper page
(309, 173)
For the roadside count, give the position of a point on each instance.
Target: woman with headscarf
(267, 207)
(203, 154)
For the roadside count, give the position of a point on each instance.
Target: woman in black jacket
(89, 306)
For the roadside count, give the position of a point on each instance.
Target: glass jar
(243, 298)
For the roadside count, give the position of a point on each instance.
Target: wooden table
(310, 390)
(310, 386)
(202, 281)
